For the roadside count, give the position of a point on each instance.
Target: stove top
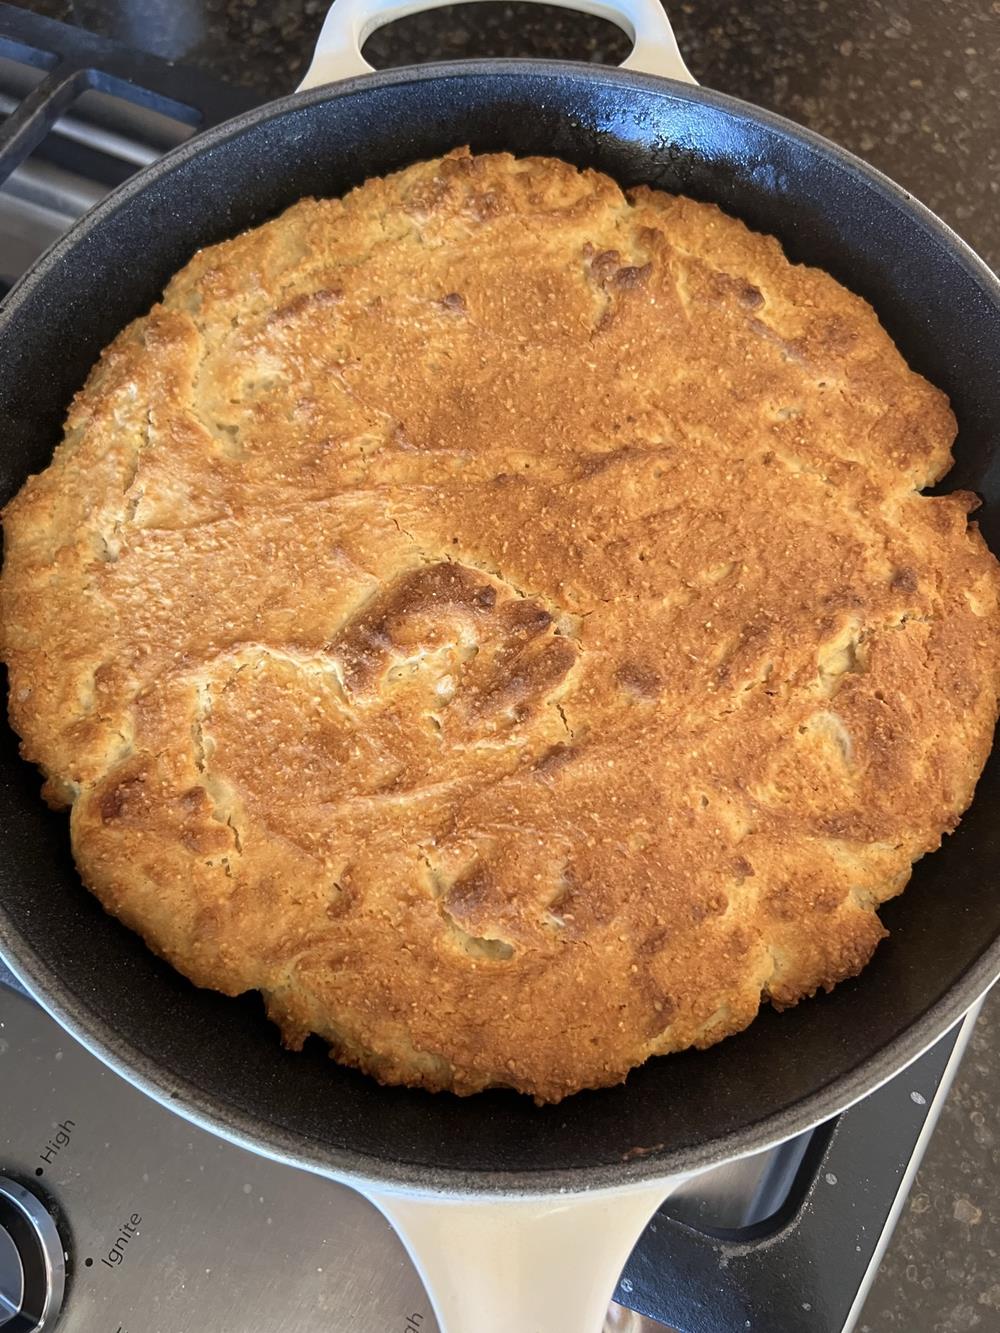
(117, 1215)
(156, 1226)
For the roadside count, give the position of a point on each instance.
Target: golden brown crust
(496, 618)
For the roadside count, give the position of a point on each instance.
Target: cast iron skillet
(217, 1060)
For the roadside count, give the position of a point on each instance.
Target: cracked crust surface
(496, 617)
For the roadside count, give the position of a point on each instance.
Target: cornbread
(496, 617)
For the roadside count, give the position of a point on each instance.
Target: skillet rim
(363, 1170)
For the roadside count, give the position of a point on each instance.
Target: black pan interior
(219, 1059)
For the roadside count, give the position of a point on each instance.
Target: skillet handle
(349, 24)
(534, 1265)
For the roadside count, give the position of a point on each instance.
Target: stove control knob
(32, 1271)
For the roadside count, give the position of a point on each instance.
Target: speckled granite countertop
(910, 85)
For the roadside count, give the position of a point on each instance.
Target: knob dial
(32, 1271)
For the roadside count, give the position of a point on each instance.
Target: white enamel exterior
(350, 23)
(535, 1265)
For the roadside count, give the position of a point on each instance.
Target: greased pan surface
(218, 1060)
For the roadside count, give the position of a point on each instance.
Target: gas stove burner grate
(78, 115)
(74, 61)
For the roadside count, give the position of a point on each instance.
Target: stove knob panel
(32, 1271)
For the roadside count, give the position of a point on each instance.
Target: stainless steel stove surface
(156, 1226)
(165, 1227)
(117, 1216)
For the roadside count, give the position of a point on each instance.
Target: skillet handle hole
(489, 28)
